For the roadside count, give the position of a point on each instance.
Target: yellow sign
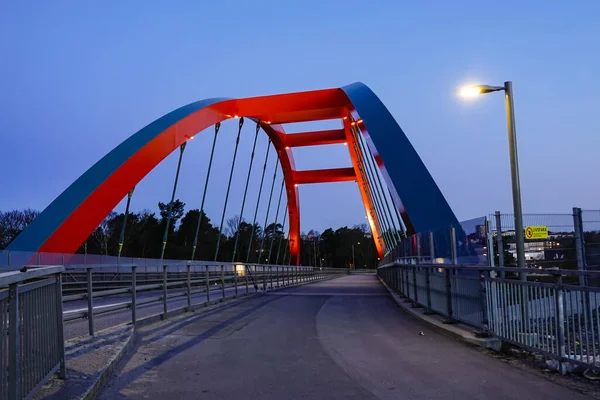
(536, 232)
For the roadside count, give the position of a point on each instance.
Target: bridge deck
(339, 339)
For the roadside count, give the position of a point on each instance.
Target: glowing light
(470, 91)
(352, 123)
(287, 147)
(345, 118)
(359, 121)
(345, 143)
(295, 185)
(235, 116)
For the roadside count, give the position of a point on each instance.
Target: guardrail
(174, 282)
(31, 330)
(553, 312)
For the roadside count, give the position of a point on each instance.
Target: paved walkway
(338, 339)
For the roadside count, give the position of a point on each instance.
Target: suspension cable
(390, 238)
(122, 236)
(285, 213)
(237, 143)
(262, 179)
(262, 240)
(170, 208)
(237, 232)
(376, 195)
(212, 153)
(379, 221)
(374, 171)
(276, 218)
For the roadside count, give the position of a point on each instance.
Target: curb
(460, 331)
(95, 387)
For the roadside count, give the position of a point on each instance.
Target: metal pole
(170, 207)
(14, 336)
(222, 283)
(133, 295)
(514, 169)
(235, 280)
(62, 372)
(164, 287)
(188, 278)
(207, 286)
(453, 248)
(353, 265)
(122, 237)
(500, 243)
(431, 248)
(560, 310)
(90, 301)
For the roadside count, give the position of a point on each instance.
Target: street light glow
(470, 91)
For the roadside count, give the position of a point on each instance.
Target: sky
(78, 78)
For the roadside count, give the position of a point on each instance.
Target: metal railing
(552, 312)
(174, 282)
(31, 330)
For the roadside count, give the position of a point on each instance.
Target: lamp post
(472, 91)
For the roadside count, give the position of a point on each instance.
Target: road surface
(339, 339)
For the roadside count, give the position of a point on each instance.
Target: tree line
(144, 233)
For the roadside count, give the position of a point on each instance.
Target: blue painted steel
(59, 210)
(424, 207)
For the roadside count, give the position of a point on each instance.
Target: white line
(96, 307)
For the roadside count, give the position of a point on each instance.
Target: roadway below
(339, 339)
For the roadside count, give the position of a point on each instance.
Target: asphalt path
(338, 339)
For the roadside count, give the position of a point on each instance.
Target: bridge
(256, 312)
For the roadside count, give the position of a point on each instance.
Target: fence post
(62, 371)
(271, 276)
(449, 317)
(484, 309)
(235, 284)
(133, 295)
(453, 248)
(579, 244)
(500, 243)
(207, 273)
(246, 276)
(90, 301)
(188, 278)
(222, 282)
(560, 311)
(490, 246)
(164, 292)
(9, 258)
(14, 367)
(416, 295)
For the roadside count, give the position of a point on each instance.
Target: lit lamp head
(474, 90)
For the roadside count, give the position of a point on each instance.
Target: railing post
(490, 246)
(90, 301)
(246, 276)
(449, 317)
(264, 278)
(484, 309)
(431, 248)
(235, 283)
(579, 244)
(560, 311)
(14, 362)
(500, 244)
(277, 275)
(222, 282)
(207, 273)
(271, 276)
(62, 371)
(164, 288)
(133, 295)
(188, 278)
(453, 247)
(428, 310)
(416, 295)
(9, 258)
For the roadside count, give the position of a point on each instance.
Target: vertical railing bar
(164, 290)
(222, 282)
(188, 286)
(207, 273)
(133, 296)
(62, 372)
(14, 343)
(90, 301)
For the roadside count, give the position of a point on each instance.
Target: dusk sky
(78, 78)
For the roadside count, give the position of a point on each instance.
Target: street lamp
(475, 90)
